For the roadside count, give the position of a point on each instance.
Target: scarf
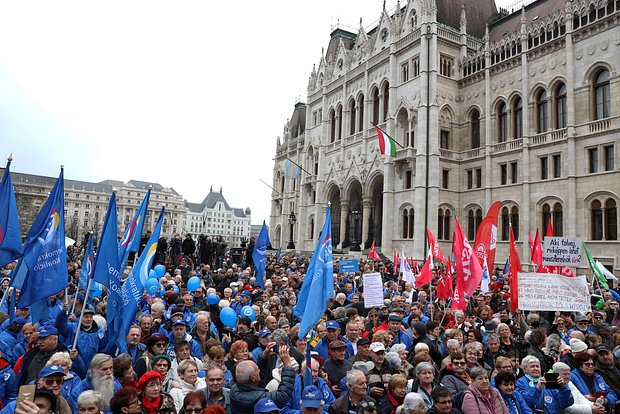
(394, 401)
(533, 381)
(151, 406)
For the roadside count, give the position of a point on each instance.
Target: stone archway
(373, 210)
(334, 199)
(355, 217)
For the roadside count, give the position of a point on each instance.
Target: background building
(519, 107)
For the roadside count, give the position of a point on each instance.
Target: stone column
(367, 203)
(344, 215)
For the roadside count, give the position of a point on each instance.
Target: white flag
(604, 271)
(484, 283)
(405, 268)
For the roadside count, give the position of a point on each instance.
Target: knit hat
(149, 375)
(577, 345)
(161, 356)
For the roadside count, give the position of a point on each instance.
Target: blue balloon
(249, 312)
(193, 283)
(162, 291)
(152, 274)
(176, 289)
(212, 299)
(228, 317)
(96, 290)
(160, 270)
(152, 286)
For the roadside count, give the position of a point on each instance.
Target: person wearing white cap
(381, 371)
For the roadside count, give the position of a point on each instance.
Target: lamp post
(356, 214)
(291, 222)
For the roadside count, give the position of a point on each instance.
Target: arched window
(505, 223)
(611, 220)
(471, 225)
(517, 111)
(502, 123)
(405, 231)
(386, 100)
(360, 115)
(339, 122)
(311, 228)
(443, 224)
(375, 106)
(542, 111)
(411, 222)
(475, 129)
(332, 125)
(602, 95)
(558, 219)
(560, 106)
(514, 219)
(352, 117)
(478, 219)
(546, 216)
(596, 220)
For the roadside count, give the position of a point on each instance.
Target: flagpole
(300, 167)
(74, 301)
(277, 192)
(79, 326)
(6, 293)
(380, 129)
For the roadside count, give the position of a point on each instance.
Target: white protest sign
(562, 251)
(373, 290)
(553, 292)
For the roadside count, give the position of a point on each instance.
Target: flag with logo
(259, 255)
(131, 292)
(291, 170)
(597, 271)
(486, 236)
(468, 271)
(130, 242)
(88, 265)
(42, 271)
(484, 284)
(434, 246)
(318, 286)
(515, 268)
(387, 145)
(10, 235)
(405, 268)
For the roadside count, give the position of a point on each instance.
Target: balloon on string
(160, 270)
(212, 299)
(193, 283)
(249, 312)
(152, 274)
(228, 317)
(96, 290)
(152, 286)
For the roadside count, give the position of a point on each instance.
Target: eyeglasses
(598, 317)
(160, 344)
(458, 363)
(444, 402)
(367, 405)
(135, 402)
(193, 410)
(588, 364)
(51, 381)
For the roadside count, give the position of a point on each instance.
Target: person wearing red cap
(153, 400)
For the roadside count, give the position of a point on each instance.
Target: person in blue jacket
(333, 333)
(537, 396)
(244, 300)
(505, 383)
(92, 338)
(179, 332)
(100, 378)
(589, 383)
(11, 340)
(71, 379)
(8, 382)
(292, 407)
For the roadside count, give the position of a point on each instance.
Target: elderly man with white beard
(100, 378)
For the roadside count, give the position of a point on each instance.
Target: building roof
(193, 207)
(298, 120)
(213, 198)
(537, 10)
(478, 13)
(238, 212)
(45, 181)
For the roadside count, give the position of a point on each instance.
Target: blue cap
(80, 297)
(264, 332)
(51, 370)
(21, 321)
(332, 325)
(246, 293)
(265, 405)
(179, 322)
(311, 397)
(46, 330)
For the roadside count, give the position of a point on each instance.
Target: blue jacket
(90, 341)
(599, 385)
(516, 403)
(403, 338)
(293, 407)
(86, 385)
(8, 382)
(551, 401)
(195, 349)
(10, 346)
(322, 348)
(67, 388)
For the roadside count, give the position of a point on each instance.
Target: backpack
(457, 401)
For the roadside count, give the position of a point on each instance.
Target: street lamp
(356, 214)
(291, 222)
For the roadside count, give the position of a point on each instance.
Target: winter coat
(341, 405)
(195, 349)
(454, 384)
(90, 341)
(86, 385)
(245, 396)
(321, 384)
(322, 348)
(580, 382)
(34, 360)
(181, 388)
(166, 405)
(516, 403)
(8, 382)
(71, 381)
(10, 346)
(474, 402)
(551, 401)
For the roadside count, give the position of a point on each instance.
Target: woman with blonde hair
(188, 381)
(395, 396)
(71, 380)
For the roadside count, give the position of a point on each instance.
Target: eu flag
(107, 267)
(42, 271)
(133, 233)
(259, 255)
(318, 286)
(134, 286)
(10, 235)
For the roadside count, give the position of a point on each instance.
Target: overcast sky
(188, 94)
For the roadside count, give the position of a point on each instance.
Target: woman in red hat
(153, 400)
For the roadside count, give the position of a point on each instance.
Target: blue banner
(133, 233)
(10, 235)
(259, 255)
(348, 266)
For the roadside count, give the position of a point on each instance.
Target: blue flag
(318, 286)
(259, 255)
(133, 233)
(107, 267)
(278, 255)
(42, 271)
(507, 268)
(135, 284)
(88, 265)
(10, 235)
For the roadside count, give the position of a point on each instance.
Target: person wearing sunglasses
(442, 402)
(454, 376)
(591, 384)
(194, 403)
(156, 344)
(153, 399)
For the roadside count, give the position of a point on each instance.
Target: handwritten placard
(553, 292)
(562, 251)
(373, 290)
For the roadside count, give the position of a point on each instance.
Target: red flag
(531, 241)
(468, 268)
(549, 233)
(426, 276)
(396, 260)
(434, 246)
(372, 254)
(515, 268)
(537, 254)
(486, 236)
(458, 297)
(567, 271)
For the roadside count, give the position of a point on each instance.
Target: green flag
(599, 275)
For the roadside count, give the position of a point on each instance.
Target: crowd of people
(413, 354)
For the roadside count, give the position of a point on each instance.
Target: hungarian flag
(468, 269)
(434, 246)
(426, 275)
(387, 145)
(486, 236)
(372, 254)
(515, 268)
